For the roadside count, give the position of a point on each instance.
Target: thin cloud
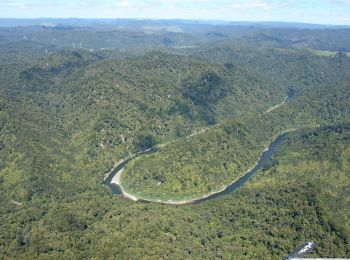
(314, 11)
(347, 2)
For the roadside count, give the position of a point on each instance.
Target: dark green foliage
(207, 90)
(212, 158)
(67, 116)
(290, 69)
(143, 142)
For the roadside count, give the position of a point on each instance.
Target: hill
(68, 114)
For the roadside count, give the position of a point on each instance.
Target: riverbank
(116, 180)
(238, 182)
(257, 166)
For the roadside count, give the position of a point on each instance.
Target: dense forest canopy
(76, 97)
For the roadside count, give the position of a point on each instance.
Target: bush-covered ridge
(67, 116)
(209, 161)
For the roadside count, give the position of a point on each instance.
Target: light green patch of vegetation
(66, 117)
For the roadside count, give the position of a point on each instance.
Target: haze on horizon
(313, 11)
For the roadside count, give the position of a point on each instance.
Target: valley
(230, 140)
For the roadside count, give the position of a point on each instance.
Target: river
(262, 162)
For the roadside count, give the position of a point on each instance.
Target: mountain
(207, 102)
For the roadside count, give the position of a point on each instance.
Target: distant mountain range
(79, 22)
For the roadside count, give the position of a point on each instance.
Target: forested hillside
(68, 114)
(294, 69)
(215, 157)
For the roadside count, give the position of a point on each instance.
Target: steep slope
(67, 117)
(293, 69)
(196, 166)
(79, 112)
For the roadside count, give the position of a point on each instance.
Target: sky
(311, 11)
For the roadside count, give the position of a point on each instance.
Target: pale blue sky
(311, 11)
